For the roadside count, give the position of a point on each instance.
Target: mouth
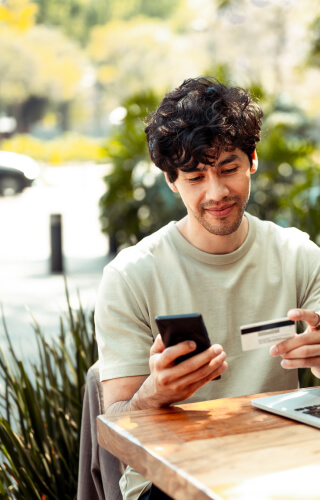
(220, 211)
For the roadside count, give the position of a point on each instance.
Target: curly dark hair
(197, 121)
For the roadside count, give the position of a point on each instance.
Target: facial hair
(225, 225)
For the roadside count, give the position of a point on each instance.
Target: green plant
(41, 414)
(137, 201)
(286, 188)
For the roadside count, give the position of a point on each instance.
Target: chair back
(99, 471)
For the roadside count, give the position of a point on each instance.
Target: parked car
(16, 172)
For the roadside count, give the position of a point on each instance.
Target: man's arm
(167, 383)
(303, 350)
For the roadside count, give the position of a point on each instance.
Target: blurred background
(77, 78)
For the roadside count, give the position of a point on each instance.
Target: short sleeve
(123, 334)
(311, 296)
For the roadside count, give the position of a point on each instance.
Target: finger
(308, 338)
(306, 351)
(220, 370)
(171, 353)
(301, 363)
(195, 366)
(157, 346)
(208, 370)
(210, 356)
(192, 381)
(310, 317)
(209, 377)
(184, 388)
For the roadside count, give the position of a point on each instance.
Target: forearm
(142, 399)
(167, 383)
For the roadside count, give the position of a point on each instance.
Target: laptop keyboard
(310, 410)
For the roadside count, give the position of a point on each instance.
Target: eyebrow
(229, 159)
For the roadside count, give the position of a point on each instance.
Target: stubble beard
(226, 225)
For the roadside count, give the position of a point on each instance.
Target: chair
(99, 471)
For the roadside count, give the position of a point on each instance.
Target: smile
(220, 212)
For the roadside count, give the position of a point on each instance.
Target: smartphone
(177, 328)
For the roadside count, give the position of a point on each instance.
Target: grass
(40, 415)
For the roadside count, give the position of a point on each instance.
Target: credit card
(266, 333)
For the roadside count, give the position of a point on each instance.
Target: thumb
(158, 346)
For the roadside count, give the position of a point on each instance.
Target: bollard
(56, 243)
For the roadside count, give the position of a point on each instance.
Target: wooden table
(223, 449)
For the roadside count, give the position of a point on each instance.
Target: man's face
(216, 196)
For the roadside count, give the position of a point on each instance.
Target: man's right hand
(167, 383)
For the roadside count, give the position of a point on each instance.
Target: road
(25, 277)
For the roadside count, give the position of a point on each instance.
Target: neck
(202, 239)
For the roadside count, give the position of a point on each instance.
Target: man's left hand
(303, 350)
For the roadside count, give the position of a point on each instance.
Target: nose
(217, 189)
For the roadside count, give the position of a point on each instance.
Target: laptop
(302, 405)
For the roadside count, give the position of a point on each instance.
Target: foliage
(123, 62)
(122, 9)
(77, 17)
(37, 66)
(286, 188)
(314, 56)
(66, 148)
(45, 64)
(137, 200)
(142, 51)
(19, 14)
(74, 18)
(41, 415)
(222, 4)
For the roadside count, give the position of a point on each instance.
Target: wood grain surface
(223, 449)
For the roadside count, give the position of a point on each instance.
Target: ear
(254, 166)
(171, 185)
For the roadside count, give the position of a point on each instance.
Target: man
(218, 260)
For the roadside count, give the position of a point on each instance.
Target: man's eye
(230, 170)
(196, 179)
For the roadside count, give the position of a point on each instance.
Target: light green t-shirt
(274, 270)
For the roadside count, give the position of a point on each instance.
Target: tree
(129, 53)
(37, 67)
(76, 18)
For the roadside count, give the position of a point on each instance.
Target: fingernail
(274, 350)
(295, 312)
(192, 344)
(284, 363)
(218, 349)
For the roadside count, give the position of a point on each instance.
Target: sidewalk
(25, 275)
(28, 290)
